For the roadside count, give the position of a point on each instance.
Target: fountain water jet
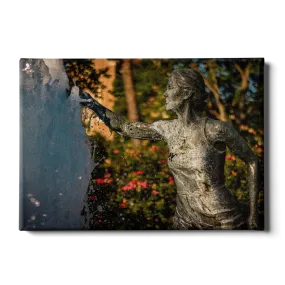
(56, 161)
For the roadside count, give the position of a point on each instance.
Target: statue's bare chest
(186, 142)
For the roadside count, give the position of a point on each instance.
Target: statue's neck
(187, 115)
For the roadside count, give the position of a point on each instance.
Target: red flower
(134, 153)
(124, 204)
(139, 172)
(130, 186)
(163, 161)
(228, 157)
(93, 198)
(100, 181)
(133, 182)
(108, 181)
(154, 192)
(154, 148)
(116, 151)
(143, 184)
(170, 180)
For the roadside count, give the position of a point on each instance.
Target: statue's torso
(193, 155)
(198, 169)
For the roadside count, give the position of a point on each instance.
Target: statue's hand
(92, 104)
(85, 95)
(88, 104)
(253, 222)
(86, 100)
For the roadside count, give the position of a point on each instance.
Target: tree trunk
(133, 115)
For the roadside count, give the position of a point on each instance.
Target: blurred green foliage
(132, 187)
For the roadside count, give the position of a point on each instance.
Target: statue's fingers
(85, 95)
(86, 104)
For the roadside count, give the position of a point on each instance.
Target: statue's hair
(191, 81)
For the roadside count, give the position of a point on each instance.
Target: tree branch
(244, 75)
(238, 68)
(215, 113)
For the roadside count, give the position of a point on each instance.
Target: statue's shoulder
(218, 129)
(163, 126)
(217, 125)
(165, 122)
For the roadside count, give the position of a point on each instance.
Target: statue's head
(185, 85)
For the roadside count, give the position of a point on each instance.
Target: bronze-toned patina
(197, 147)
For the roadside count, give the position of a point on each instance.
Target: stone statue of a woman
(197, 147)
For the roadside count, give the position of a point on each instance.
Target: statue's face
(173, 98)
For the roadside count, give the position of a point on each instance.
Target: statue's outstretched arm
(240, 147)
(115, 122)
